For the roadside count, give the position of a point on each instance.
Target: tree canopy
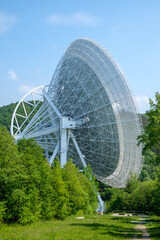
(151, 136)
(31, 189)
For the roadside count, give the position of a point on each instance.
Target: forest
(30, 189)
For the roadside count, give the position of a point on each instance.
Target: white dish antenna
(87, 113)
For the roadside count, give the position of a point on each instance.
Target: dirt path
(142, 232)
(140, 228)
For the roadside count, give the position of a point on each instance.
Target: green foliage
(2, 211)
(135, 197)
(75, 192)
(37, 184)
(141, 197)
(119, 201)
(31, 190)
(151, 143)
(132, 184)
(61, 192)
(11, 171)
(106, 191)
(151, 136)
(156, 196)
(6, 115)
(90, 185)
(77, 195)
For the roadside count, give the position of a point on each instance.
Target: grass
(154, 228)
(93, 227)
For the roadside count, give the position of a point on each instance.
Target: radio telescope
(87, 113)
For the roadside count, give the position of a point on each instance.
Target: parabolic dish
(89, 88)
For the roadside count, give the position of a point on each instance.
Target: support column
(63, 147)
(54, 153)
(63, 141)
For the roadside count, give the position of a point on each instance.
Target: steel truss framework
(87, 114)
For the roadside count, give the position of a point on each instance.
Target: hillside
(6, 115)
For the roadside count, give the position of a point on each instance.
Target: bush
(2, 211)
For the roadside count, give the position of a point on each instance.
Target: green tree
(141, 198)
(77, 195)
(30, 189)
(151, 142)
(82, 189)
(132, 184)
(135, 197)
(26, 190)
(151, 136)
(38, 182)
(119, 201)
(156, 197)
(11, 172)
(91, 187)
(61, 191)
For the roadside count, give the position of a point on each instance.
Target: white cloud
(143, 103)
(12, 75)
(6, 22)
(25, 88)
(73, 19)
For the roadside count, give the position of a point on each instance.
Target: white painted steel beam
(42, 132)
(54, 153)
(52, 104)
(78, 150)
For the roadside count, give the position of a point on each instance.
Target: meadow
(92, 227)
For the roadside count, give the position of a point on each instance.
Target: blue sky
(35, 33)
